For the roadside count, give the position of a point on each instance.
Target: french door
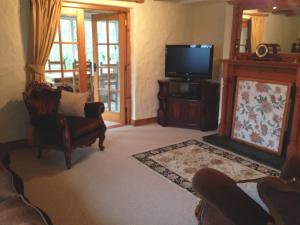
(109, 53)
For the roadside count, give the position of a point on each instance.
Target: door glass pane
(72, 79)
(103, 78)
(68, 28)
(56, 39)
(53, 62)
(53, 78)
(114, 54)
(102, 34)
(104, 98)
(114, 78)
(113, 31)
(70, 56)
(115, 101)
(102, 54)
(89, 57)
(88, 40)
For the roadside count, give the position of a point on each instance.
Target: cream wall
(209, 27)
(154, 24)
(13, 116)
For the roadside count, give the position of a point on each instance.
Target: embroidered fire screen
(260, 113)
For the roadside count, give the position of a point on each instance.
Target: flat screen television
(189, 61)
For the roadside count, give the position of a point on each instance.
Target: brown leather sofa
(15, 209)
(224, 203)
(52, 129)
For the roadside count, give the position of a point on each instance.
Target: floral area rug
(179, 162)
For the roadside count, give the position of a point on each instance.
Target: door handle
(95, 67)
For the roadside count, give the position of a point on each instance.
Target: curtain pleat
(45, 15)
(257, 28)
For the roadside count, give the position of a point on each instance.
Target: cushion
(72, 104)
(250, 188)
(43, 102)
(80, 126)
(16, 211)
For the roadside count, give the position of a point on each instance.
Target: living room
(117, 186)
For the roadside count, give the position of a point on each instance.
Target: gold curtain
(45, 16)
(257, 28)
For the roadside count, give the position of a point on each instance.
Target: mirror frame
(238, 7)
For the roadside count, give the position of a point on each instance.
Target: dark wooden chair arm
(291, 168)
(94, 109)
(282, 198)
(222, 193)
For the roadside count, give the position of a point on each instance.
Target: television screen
(189, 61)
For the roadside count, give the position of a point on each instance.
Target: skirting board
(14, 144)
(143, 121)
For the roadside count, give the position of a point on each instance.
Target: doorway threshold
(111, 124)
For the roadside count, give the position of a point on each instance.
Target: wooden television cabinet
(189, 104)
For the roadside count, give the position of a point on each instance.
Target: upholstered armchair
(224, 203)
(52, 129)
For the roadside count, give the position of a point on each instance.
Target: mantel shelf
(268, 64)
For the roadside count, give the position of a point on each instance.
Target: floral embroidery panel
(260, 108)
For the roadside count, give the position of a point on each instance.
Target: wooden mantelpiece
(279, 71)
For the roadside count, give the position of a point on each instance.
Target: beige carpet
(110, 187)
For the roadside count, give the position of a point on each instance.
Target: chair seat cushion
(17, 211)
(80, 126)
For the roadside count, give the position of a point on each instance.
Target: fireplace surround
(284, 70)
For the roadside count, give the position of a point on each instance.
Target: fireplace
(270, 82)
(282, 76)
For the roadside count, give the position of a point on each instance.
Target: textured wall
(154, 24)
(209, 28)
(166, 24)
(13, 116)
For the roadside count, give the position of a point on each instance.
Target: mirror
(266, 27)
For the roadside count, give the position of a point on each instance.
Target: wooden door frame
(127, 64)
(120, 17)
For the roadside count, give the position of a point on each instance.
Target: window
(62, 67)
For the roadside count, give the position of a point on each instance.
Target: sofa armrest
(222, 193)
(94, 109)
(49, 121)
